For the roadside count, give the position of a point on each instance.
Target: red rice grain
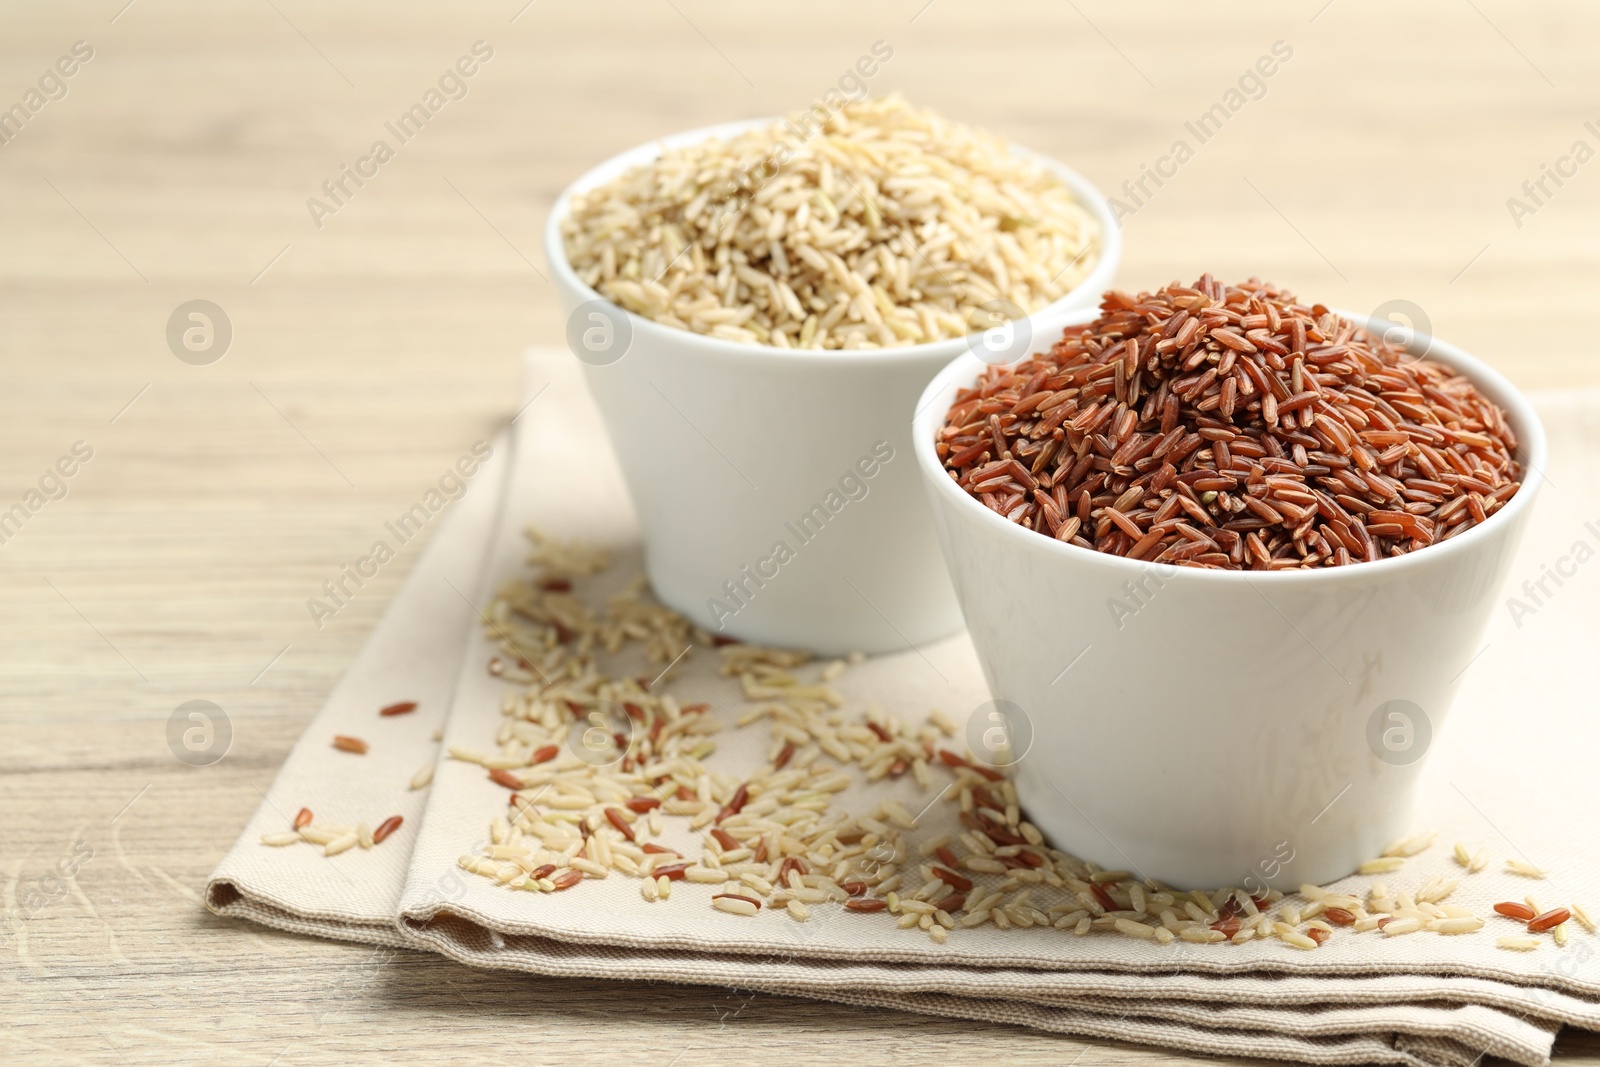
(736, 804)
(349, 744)
(615, 817)
(386, 827)
(865, 904)
(1553, 917)
(405, 707)
(302, 818)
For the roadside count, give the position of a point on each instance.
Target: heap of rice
(882, 226)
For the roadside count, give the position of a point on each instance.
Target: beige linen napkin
(414, 654)
(1494, 781)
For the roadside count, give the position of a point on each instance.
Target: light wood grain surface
(1376, 166)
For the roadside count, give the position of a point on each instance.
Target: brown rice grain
(339, 844)
(734, 905)
(1410, 846)
(1297, 940)
(1135, 929)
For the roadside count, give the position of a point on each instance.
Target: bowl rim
(1049, 316)
(1532, 452)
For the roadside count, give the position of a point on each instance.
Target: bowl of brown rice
(1225, 558)
(756, 305)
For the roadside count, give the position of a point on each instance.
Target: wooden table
(367, 350)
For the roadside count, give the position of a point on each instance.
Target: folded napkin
(1508, 775)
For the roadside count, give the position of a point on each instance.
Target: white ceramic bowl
(726, 446)
(1234, 728)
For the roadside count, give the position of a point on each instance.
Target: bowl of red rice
(1225, 558)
